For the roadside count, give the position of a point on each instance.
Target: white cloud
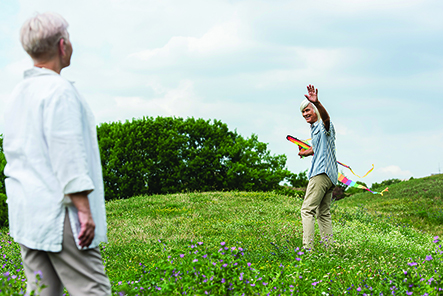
(219, 39)
(173, 102)
(394, 171)
(247, 63)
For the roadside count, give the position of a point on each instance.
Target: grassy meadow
(250, 243)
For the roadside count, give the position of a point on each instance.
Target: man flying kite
(323, 173)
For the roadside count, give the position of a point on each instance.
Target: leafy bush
(3, 210)
(384, 184)
(2, 166)
(168, 155)
(299, 180)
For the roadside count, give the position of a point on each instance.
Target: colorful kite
(298, 142)
(341, 177)
(306, 146)
(351, 183)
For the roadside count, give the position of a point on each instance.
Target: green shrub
(299, 180)
(169, 155)
(3, 210)
(2, 166)
(384, 184)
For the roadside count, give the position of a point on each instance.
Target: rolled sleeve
(63, 129)
(79, 184)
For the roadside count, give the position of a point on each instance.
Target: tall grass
(249, 243)
(417, 202)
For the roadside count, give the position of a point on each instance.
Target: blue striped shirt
(323, 145)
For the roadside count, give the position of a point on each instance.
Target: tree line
(168, 155)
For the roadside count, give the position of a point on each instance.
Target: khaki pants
(81, 272)
(317, 204)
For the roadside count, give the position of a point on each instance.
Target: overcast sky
(378, 65)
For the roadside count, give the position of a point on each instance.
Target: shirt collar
(36, 71)
(314, 125)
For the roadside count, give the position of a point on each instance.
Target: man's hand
(312, 95)
(87, 224)
(304, 152)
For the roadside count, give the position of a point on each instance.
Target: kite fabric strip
(348, 182)
(341, 177)
(346, 166)
(306, 146)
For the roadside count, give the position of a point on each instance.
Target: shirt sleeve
(63, 126)
(323, 129)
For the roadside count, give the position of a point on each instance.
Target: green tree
(167, 155)
(299, 180)
(2, 167)
(384, 184)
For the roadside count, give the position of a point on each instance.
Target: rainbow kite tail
(348, 167)
(351, 183)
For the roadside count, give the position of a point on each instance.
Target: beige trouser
(81, 272)
(317, 204)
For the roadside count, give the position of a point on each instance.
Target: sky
(378, 66)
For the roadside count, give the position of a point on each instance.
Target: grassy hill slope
(249, 243)
(417, 202)
(258, 237)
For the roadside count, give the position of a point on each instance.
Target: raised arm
(312, 96)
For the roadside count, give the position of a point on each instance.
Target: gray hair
(305, 104)
(39, 34)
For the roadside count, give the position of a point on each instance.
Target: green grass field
(249, 243)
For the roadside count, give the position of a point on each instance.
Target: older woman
(54, 185)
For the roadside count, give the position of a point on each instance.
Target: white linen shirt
(51, 149)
